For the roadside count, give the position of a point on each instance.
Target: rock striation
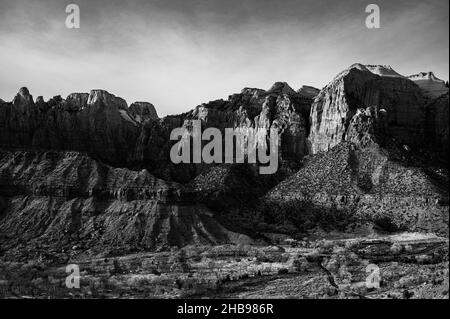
(55, 200)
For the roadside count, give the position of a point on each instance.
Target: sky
(178, 54)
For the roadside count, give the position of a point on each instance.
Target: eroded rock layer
(60, 199)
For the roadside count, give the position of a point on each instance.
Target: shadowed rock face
(437, 124)
(61, 199)
(430, 84)
(357, 88)
(143, 111)
(98, 123)
(352, 184)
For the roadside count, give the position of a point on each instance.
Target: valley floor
(400, 266)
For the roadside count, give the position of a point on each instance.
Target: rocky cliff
(280, 108)
(437, 123)
(98, 123)
(359, 87)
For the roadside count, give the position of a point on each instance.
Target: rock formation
(143, 111)
(353, 184)
(430, 84)
(55, 200)
(358, 87)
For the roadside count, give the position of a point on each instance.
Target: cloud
(178, 54)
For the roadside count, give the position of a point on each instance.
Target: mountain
(353, 185)
(370, 148)
(98, 123)
(358, 87)
(430, 84)
(280, 108)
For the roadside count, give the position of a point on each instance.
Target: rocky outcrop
(367, 127)
(358, 87)
(143, 111)
(430, 84)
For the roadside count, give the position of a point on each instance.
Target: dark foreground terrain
(404, 266)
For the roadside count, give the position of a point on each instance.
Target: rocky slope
(56, 200)
(369, 178)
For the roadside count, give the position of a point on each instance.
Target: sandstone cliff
(358, 87)
(98, 123)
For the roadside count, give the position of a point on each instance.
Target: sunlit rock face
(359, 87)
(279, 108)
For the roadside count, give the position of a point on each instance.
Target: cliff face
(437, 123)
(98, 123)
(280, 108)
(103, 126)
(357, 87)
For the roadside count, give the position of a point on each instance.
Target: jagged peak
(77, 100)
(23, 91)
(281, 88)
(143, 110)
(40, 99)
(23, 97)
(252, 91)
